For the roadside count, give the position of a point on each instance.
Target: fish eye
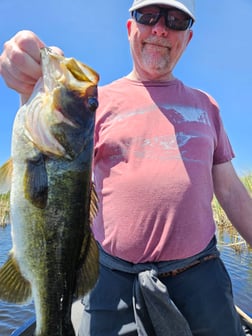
(92, 103)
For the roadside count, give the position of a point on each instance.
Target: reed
(4, 209)
(224, 224)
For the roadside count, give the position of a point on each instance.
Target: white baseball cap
(187, 6)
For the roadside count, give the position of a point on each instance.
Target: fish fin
(5, 176)
(88, 272)
(88, 269)
(36, 182)
(13, 286)
(93, 204)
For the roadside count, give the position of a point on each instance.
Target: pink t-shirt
(155, 145)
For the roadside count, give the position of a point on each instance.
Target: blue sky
(218, 59)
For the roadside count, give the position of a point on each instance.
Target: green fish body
(54, 258)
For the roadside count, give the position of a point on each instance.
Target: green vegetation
(223, 223)
(4, 209)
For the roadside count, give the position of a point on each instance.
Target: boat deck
(28, 327)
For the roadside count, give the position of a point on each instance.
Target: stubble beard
(156, 59)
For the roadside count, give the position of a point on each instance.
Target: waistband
(154, 311)
(172, 267)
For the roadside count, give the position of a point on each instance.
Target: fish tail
(13, 286)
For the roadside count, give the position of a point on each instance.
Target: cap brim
(172, 3)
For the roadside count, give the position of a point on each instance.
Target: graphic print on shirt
(167, 136)
(187, 114)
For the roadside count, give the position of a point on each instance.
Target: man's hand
(20, 62)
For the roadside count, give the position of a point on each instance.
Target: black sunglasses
(174, 18)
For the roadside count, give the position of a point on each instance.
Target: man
(160, 152)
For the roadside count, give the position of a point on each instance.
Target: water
(238, 262)
(239, 266)
(12, 316)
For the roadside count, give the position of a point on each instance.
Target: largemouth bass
(54, 258)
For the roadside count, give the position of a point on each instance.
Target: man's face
(155, 49)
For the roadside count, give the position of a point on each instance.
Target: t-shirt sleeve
(223, 151)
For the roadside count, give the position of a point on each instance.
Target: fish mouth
(59, 69)
(67, 95)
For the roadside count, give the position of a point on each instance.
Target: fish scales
(54, 257)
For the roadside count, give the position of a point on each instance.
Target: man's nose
(160, 28)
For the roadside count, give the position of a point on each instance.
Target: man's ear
(128, 25)
(190, 35)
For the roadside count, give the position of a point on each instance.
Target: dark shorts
(203, 294)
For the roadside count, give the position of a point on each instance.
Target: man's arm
(234, 199)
